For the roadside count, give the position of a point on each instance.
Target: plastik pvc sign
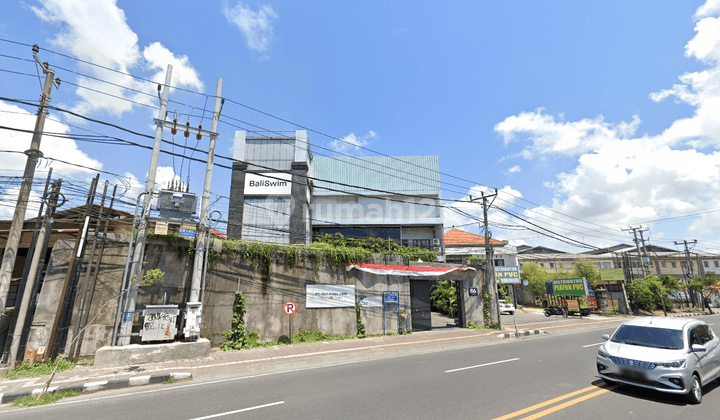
(268, 184)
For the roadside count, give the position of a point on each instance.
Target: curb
(95, 386)
(521, 334)
(695, 314)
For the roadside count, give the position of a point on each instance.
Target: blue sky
(588, 116)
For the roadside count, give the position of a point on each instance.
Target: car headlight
(675, 364)
(603, 353)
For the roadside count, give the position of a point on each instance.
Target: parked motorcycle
(556, 310)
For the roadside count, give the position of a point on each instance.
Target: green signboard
(563, 287)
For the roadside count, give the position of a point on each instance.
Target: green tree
(444, 297)
(706, 285)
(653, 290)
(536, 277)
(584, 268)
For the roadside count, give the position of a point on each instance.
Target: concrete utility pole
(490, 281)
(203, 233)
(29, 282)
(136, 265)
(635, 230)
(33, 154)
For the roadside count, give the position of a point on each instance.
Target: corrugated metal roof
(396, 174)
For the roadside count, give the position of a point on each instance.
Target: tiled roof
(455, 237)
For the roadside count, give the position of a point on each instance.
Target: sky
(587, 117)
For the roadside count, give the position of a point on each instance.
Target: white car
(506, 306)
(674, 355)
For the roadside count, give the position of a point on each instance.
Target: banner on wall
(329, 296)
(270, 184)
(508, 274)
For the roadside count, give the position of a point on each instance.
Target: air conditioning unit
(436, 242)
(437, 249)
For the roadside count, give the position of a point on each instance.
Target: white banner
(268, 184)
(329, 296)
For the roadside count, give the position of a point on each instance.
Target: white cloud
(467, 213)
(514, 169)
(352, 143)
(255, 26)
(548, 136)
(98, 32)
(621, 178)
(54, 149)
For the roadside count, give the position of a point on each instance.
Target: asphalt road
(546, 376)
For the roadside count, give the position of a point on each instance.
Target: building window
(607, 265)
(674, 264)
(663, 264)
(542, 264)
(422, 243)
(706, 264)
(717, 264)
(499, 263)
(552, 265)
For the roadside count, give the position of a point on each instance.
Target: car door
(698, 335)
(713, 351)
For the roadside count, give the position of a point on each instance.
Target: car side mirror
(606, 337)
(698, 348)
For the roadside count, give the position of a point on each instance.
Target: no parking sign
(289, 308)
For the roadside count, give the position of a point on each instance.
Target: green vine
(359, 321)
(238, 337)
(151, 276)
(334, 250)
(487, 300)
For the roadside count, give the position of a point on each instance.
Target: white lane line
(592, 345)
(485, 364)
(238, 411)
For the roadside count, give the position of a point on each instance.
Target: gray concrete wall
(265, 294)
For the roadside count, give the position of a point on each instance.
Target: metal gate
(420, 305)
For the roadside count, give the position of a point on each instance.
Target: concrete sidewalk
(220, 364)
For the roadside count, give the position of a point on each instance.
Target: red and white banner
(402, 270)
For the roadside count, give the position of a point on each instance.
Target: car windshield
(661, 338)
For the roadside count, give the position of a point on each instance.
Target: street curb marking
(521, 333)
(695, 314)
(95, 386)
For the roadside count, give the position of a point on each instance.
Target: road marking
(238, 411)
(546, 403)
(569, 403)
(596, 344)
(485, 364)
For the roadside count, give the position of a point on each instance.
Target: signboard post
(290, 309)
(391, 297)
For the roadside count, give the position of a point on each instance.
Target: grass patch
(27, 370)
(85, 362)
(31, 401)
(472, 326)
(169, 380)
(305, 337)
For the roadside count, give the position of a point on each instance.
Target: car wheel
(608, 382)
(695, 394)
(547, 312)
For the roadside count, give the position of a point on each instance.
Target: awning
(402, 270)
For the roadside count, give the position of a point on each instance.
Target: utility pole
(33, 154)
(203, 231)
(136, 267)
(635, 230)
(23, 309)
(489, 272)
(688, 270)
